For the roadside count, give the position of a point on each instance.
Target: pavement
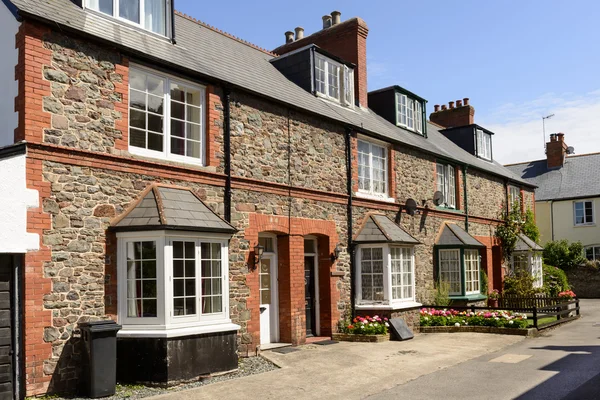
(563, 363)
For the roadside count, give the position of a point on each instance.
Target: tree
(563, 254)
(530, 229)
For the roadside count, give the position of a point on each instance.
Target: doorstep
(313, 339)
(271, 346)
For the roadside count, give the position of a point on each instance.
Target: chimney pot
(553, 137)
(335, 17)
(451, 104)
(458, 103)
(289, 37)
(326, 21)
(436, 108)
(561, 137)
(466, 101)
(444, 107)
(299, 32)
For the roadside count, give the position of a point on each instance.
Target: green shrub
(441, 295)
(484, 283)
(519, 284)
(563, 254)
(529, 227)
(555, 280)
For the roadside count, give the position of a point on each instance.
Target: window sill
(391, 307)
(369, 196)
(449, 209)
(470, 297)
(584, 225)
(133, 331)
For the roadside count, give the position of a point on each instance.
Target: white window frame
(484, 144)
(514, 195)
(595, 252)
(409, 113)
(142, 23)
(166, 324)
(585, 222)
(447, 183)
(371, 192)
(345, 81)
(166, 153)
(388, 302)
(477, 281)
(532, 264)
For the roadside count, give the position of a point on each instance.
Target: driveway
(562, 364)
(352, 370)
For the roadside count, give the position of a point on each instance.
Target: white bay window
(148, 14)
(529, 262)
(385, 276)
(166, 117)
(172, 282)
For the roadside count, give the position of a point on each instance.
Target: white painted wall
(15, 199)
(8, 86)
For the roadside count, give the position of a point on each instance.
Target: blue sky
(516, 60)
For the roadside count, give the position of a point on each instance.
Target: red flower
(350, 326)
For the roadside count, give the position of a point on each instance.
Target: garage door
(6, 369)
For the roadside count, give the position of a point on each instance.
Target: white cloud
(518, 127)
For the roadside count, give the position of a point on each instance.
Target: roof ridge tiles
(226, 34)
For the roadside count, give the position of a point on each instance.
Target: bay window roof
(380, 229)
(454, 235)
(163, 207)
(526, 244)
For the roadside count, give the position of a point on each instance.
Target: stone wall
(415, 175)
(83, 200)
(529, 199)
(261, 134)
(486, 195)
(585, 282)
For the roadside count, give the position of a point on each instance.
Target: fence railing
(548, 312)
(528, 302)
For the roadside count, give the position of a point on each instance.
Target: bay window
(385, 276)
(528, 262)
(446, 183)
(166, 117)
(149, 14)
(168, 281)
(409, 112)
(334, 80)
(372, 169)
(460, 269)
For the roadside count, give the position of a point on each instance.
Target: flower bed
(364, 329)
(497, 319)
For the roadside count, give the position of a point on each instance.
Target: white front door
(269, 310)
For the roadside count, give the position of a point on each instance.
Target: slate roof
(526, 244)
(381, 229)
(205, 52)
(579, 177)
(166, 207)
(454, 235)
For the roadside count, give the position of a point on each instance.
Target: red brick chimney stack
(347, 40)
(556, 150)
(452, 116)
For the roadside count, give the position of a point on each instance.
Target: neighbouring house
(567, 195)
(216, 198)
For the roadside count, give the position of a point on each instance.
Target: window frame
(448, 184)
(371, 193)
(345, 78)
(142, 24)
(478, 265)
(166, 319)
(388, 301)
(595, 252)
(593, 214)
(166, 154)
(409, 109)
(533, 266)
(461, 250)
(484, 150)
(514, 193)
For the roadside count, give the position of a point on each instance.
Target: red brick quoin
(290, 239)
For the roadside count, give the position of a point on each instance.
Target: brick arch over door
(290, 248)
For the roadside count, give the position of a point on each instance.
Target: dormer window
(149, 14)
(484, 144)
(410, 112)
(334, 80)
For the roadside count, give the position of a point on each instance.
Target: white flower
(386, 324)
(457, 324)
(510, 322)
(426, 319)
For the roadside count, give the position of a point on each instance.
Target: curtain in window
(130, 10)
(155, 16)
(133, 291)
(104, 6)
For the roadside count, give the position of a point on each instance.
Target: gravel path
(247, 366)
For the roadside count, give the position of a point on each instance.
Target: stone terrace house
(213, 197)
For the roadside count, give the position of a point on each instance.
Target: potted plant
(567, 296)
(493, 297)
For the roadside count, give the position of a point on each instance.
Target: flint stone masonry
(486, 194)
(82, 101)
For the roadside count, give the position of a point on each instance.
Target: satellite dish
(410, 206)
(438, 198)
(570, 150)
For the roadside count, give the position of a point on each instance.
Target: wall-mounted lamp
(258, 253)
(336, 253)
